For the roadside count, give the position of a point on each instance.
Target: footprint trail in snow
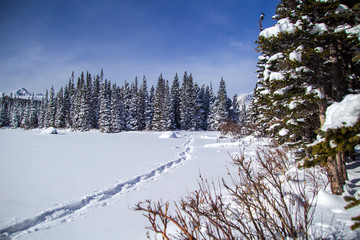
(67, 212)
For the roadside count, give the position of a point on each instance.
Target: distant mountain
(24, 94)
(21, 93)
(244, 102)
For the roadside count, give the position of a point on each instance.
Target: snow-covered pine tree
(43, 109)
(25, 121)
(199, 116)
(133, 121)
(105, 108)
(4, 116)
(205, 90)
(159, 97)
(209, 101)
(33, 114)
(80, 84)
(15, 114)
(72, 99)
(187, 103)
(142, 104)
(219, 111)
(51, 110)
(149, 113)
(309, 59)
(175, 103)
(83, 119)
(94, 102)
(60, 109)
(127, 104)
(117, 108)
(168, 114)
(92, 118)
(67, 104)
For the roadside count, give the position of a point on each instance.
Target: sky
(42, 41)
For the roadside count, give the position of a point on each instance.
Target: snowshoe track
(66, 212)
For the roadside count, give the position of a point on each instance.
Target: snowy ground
(83, 185)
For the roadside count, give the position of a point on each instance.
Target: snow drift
(169, 134)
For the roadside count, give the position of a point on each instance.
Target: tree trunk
(340, 158)
(337, 72)
(322, 105)
(335, 176)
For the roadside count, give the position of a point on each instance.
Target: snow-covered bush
(168, 134)
(49, 130)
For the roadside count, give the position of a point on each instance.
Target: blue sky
(42, 41)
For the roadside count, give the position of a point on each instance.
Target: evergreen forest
(96, 103)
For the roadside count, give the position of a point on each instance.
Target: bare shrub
(264, 200)
(235, 130)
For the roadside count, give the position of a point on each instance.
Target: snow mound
(169, 134)
(49, 130)
(334, 202)
(344, 113)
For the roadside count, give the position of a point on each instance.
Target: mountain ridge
(23, 93)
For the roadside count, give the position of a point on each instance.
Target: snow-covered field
(76, 185)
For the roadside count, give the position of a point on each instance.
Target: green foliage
(334, 141)
(324, 70)
(353, 202)
(356, 58)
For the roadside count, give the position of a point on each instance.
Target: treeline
(96, 103)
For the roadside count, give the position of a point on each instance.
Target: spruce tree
(142, 104)
(51, 110)
(82, 105)
(149, 113)
(309, 60)
(209, 101)
(117, 122)
(133, 114)
(168, 114)
(43, 110)
(67, 107)
(60, 110)
(198, 119)
(92, 118)
(4, 119)
(15, 114)
(105, 108)
(94, 102)
(33, 113)
(219, 110)
(72, 99)
(25, 121)
(187, 104)
(159, 97)
(127, 105)
(175, 103)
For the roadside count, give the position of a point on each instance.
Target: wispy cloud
(129, 39)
